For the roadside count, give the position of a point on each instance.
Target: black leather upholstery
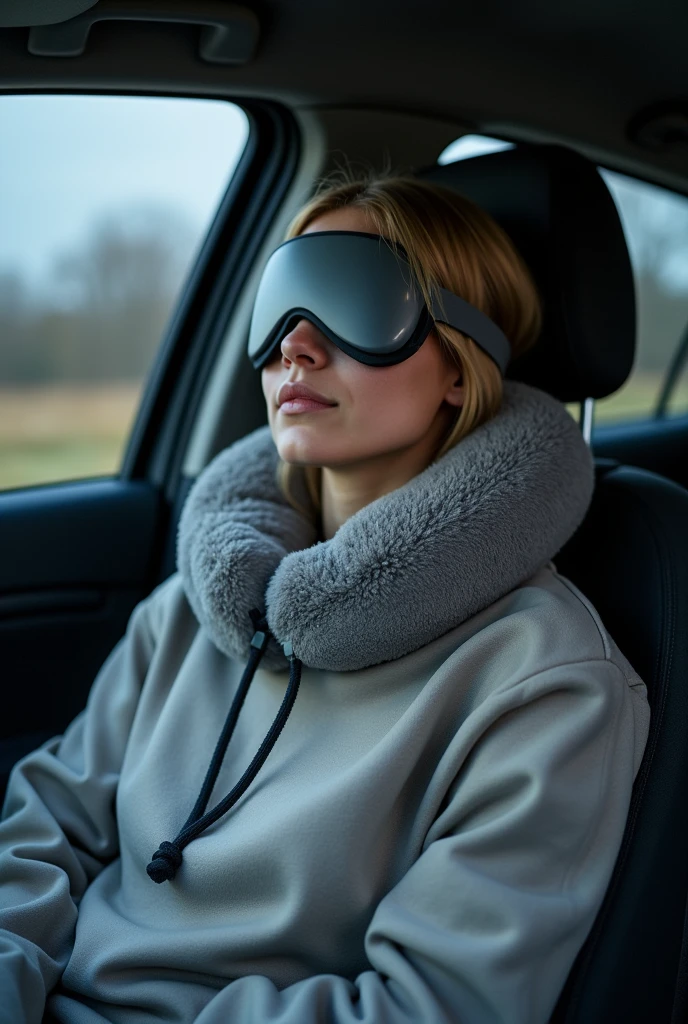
(629, 556)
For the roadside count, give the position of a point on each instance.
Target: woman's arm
(58, 827)
(486, 924)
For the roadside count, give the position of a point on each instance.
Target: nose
(305, 345)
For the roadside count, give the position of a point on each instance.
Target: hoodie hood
(401, 571)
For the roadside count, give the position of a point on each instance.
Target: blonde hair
(452, 243)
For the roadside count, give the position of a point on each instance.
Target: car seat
(629, 557)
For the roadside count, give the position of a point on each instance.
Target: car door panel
(75, 559)
(658, 445)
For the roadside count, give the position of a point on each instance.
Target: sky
(67, 160)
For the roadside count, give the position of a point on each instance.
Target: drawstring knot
(166, 860)
(168, 857)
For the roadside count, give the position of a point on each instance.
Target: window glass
(655, 223)
(105, 202)
(471, 145)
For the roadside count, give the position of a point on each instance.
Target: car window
(105, 202)
(655, 222)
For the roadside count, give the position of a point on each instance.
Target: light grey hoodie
(433, 832)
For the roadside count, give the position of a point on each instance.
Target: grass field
(63, 432)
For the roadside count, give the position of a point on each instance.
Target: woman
(422, 823)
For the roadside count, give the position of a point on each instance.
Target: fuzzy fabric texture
(404, 569)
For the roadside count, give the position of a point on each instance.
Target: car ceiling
(609, 78)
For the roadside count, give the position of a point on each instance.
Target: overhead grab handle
(229, 34)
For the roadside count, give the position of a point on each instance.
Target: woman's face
(376, 409)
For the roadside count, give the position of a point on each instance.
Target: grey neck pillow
(404, 569)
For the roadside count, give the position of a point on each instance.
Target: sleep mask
(359, 290)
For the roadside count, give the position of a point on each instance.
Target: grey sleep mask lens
(359, 290)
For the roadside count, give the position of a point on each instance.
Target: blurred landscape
(73, 358)
(104, 203)
(63, 432)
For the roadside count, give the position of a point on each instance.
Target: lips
(309, 397)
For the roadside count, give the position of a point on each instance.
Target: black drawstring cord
(168, 856)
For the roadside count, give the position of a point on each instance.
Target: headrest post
(587, 407)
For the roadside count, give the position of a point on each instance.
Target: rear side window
(655, 222)
(105, 202)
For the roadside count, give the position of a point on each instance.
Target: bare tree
(109, 304)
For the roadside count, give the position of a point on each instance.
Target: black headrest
(558, 211)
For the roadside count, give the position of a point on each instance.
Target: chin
(301, 451)
(314, 452)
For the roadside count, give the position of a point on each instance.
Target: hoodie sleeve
(58, 827)
(486, 924)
